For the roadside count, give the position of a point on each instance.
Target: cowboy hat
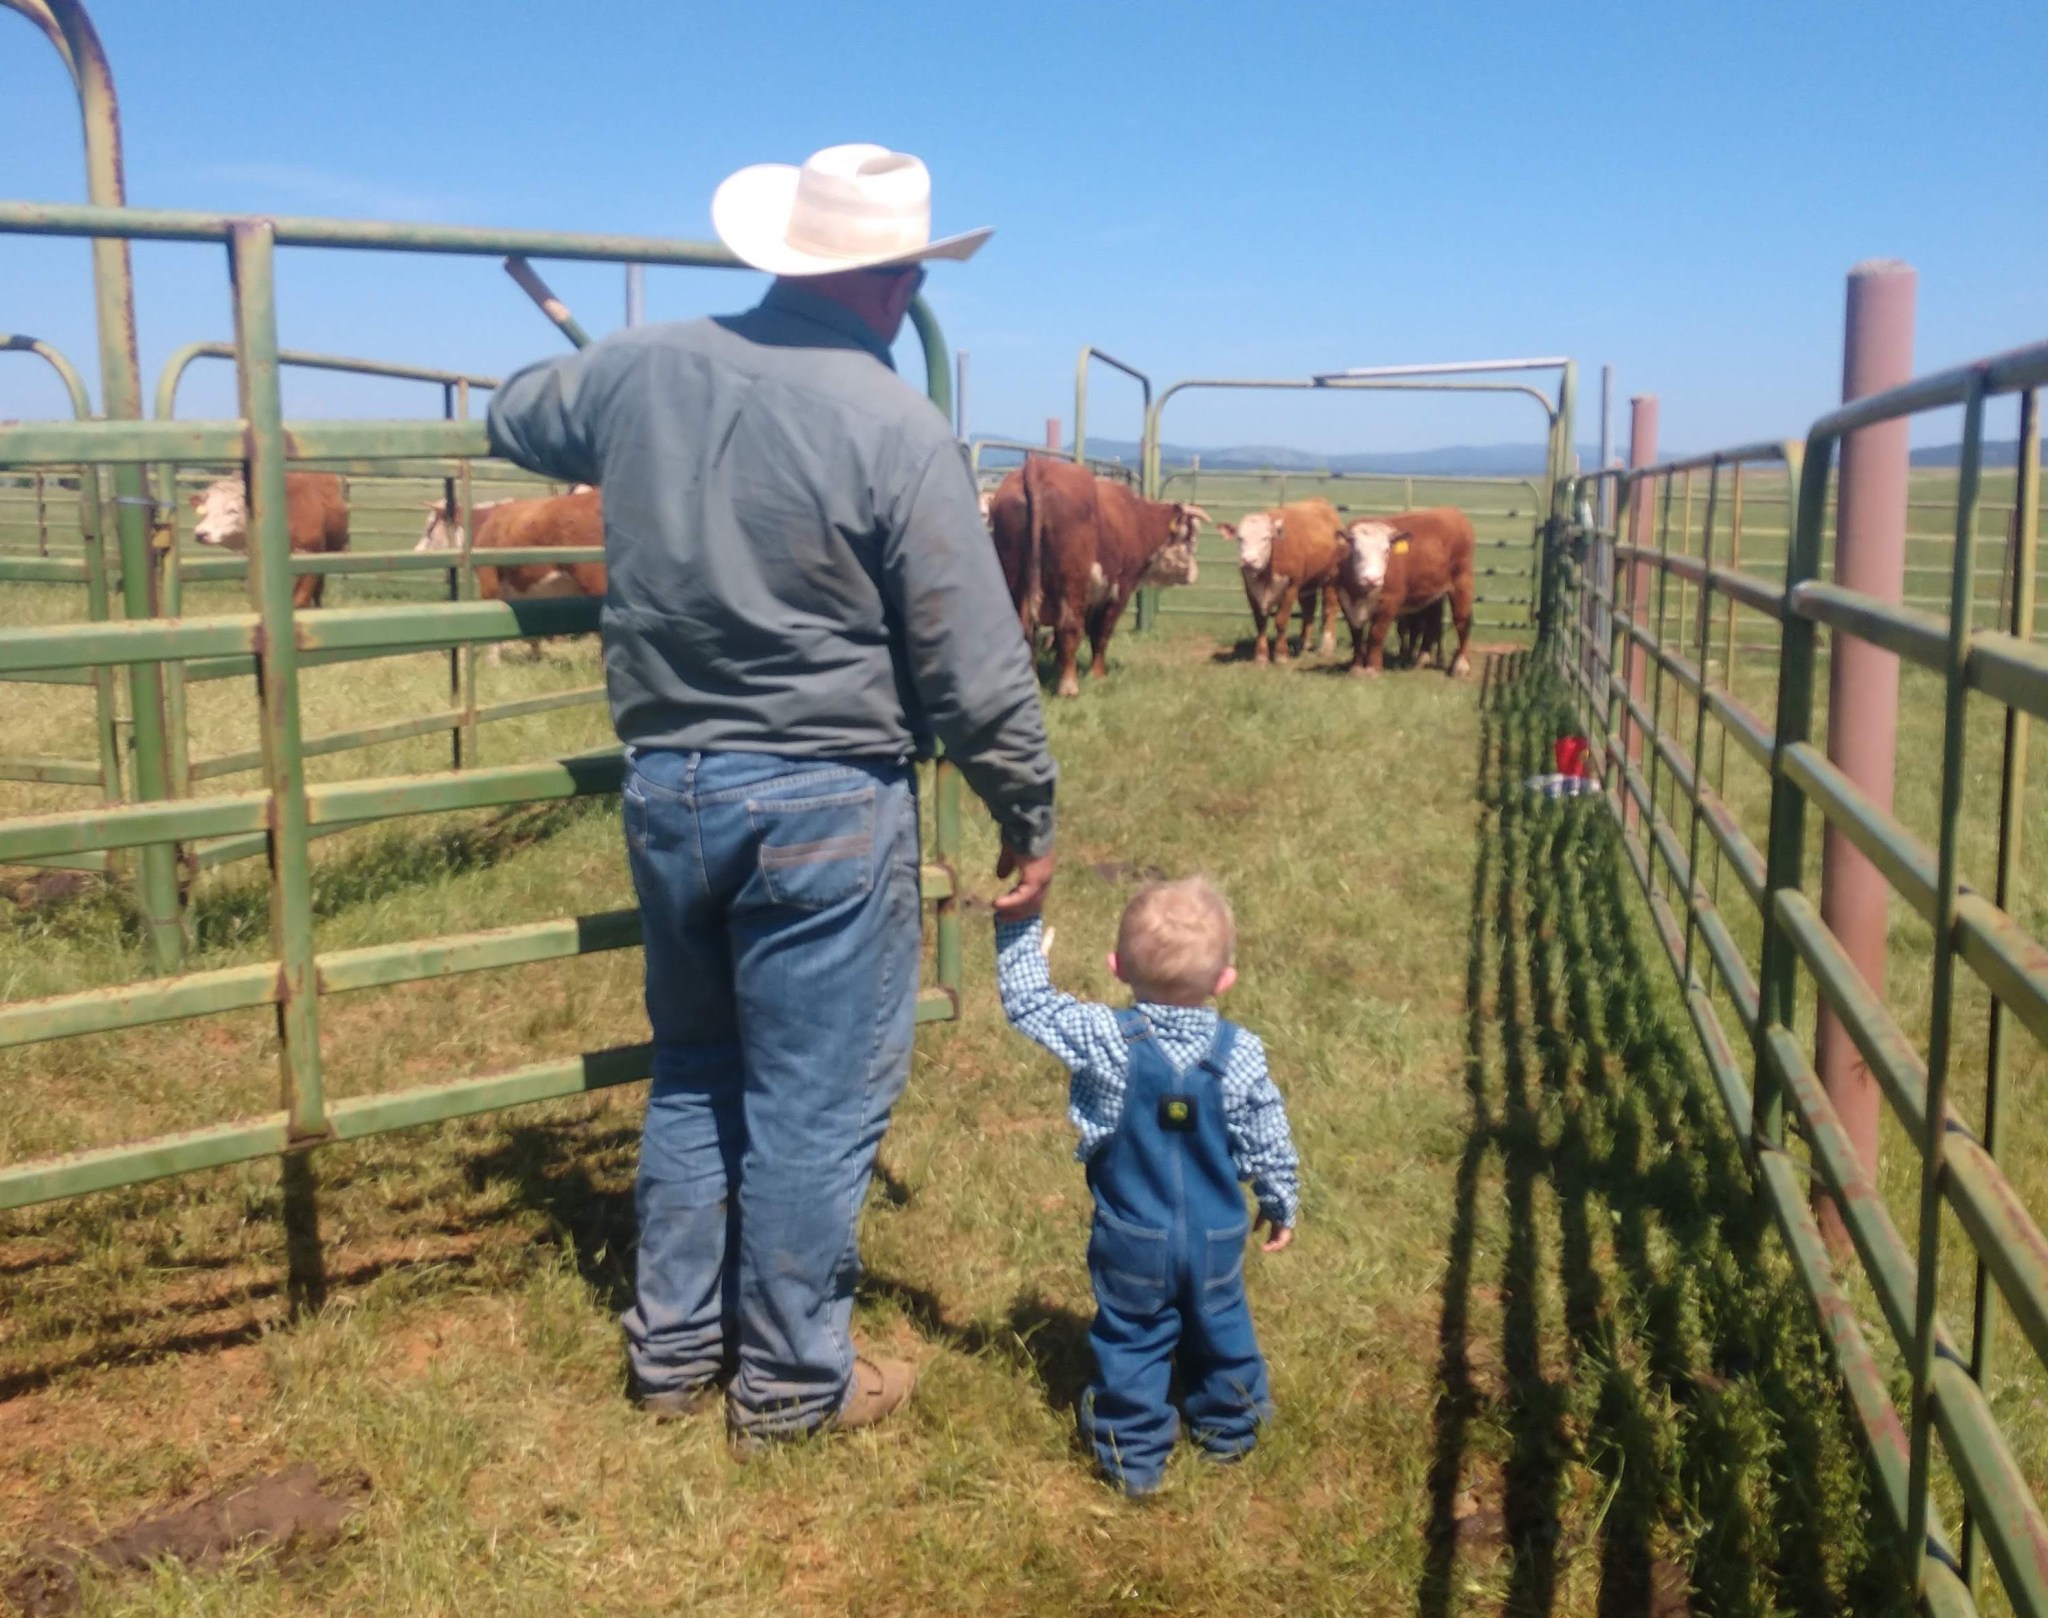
(847, 208)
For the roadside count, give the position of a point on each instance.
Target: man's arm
(965, 652)
(540, 419)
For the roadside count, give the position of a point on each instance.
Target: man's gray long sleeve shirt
(797, 561)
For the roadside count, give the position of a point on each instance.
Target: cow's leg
(1101, 626)
(1374, 659)
(1283, 622)
(1327, 644)
(1461, 616)
(306, 591)
(1255, 596)
(1066, 640)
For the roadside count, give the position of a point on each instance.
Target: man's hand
(1034, 875)
(1281, 1235)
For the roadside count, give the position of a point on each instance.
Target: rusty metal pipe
(1863, 679)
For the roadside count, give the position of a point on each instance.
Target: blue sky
(1203, 188)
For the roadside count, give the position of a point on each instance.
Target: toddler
(1175, 1108)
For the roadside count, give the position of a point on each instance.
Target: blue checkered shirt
(1086, 1038)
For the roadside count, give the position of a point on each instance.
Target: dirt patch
(290, 1512)
(40, 890)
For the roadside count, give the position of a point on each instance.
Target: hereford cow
(316, 511)
(1294, 551)
(1074, 546)
(575, 519)
(1401, 566)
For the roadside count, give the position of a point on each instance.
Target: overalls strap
(1220, 1049)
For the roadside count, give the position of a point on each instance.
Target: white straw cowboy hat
(847, 208)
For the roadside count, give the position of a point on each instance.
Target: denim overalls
(1166, 1257)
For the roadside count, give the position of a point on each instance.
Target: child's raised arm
(1079, 1032)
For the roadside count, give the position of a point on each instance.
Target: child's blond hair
(1176, 939)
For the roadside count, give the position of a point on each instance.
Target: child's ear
(1115, 968)
(1225, 983)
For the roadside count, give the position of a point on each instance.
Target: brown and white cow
(1294, 551)
(1401, 566)
(316, 511)
(575, 519)
(1073, 547)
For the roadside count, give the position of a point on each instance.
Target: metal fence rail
(284, 814)
(1654, 682)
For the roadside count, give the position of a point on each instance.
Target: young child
(1175, 1108)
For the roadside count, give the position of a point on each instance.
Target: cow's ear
(198, 501)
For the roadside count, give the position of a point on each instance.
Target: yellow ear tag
(1400, 547)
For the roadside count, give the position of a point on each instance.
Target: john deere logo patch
(1177, 1113)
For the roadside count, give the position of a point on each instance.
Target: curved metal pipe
(174, 370)
(67, 373)
(69, 29)
(1090, 352)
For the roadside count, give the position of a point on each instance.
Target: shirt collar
(1178, 1019)
(788, 298)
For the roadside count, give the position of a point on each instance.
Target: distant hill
(1997, 452)
(1459, 460)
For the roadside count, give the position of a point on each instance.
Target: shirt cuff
(1278, 1210)
(1028, 828)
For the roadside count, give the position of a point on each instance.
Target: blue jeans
(779, 899)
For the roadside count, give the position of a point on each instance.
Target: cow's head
(1371, 541)
(1254, 539)
(223, 515)
(1174, 562)
(987, 500)
(443, 532)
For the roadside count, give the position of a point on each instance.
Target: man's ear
(1228, 981)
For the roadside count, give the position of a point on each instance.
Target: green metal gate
(1687, 651)
(284, 813)
(1512, 516)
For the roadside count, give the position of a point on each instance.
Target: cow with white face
(316, 514)
(1404, 569)
(1289, 554)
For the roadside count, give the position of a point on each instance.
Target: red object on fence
(1571, 752)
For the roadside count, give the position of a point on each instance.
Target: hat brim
(751, 212)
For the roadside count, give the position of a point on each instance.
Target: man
(802, 596)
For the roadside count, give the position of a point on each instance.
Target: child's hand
(1281, 1235)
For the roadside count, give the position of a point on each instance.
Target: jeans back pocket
(1127, 1263)
(816, 852)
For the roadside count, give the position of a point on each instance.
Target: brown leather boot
(878, 1389)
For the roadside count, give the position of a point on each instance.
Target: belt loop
(690, 773)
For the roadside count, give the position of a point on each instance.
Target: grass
(1533, 1352)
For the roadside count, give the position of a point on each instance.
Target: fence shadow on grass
(231, 910)
(1658, 1429)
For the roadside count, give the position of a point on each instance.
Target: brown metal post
(1052, 433)
(1642, 451)
(1863, 681)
